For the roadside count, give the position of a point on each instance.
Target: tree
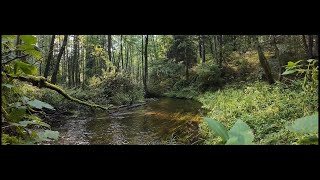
(146, 65)
(277, 55)
(310, 46)
(55, 72)
(203, 49)
(109, 47)
(263, 61)
(49, 59)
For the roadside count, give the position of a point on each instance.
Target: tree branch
(40, 82)
(17, 57)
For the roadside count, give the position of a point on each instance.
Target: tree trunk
(121, 54)
(55, 72)
(49, 59)
(203, 50)
(304, 40)
(142, 65)
(317, 46)
(211, 45)
(199, 45)
(264, 62)
(146, 65)
(109, 48)
(220, 51)
(187, 64)
(277, 55)
(310, 46)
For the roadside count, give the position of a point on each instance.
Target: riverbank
(267, 109)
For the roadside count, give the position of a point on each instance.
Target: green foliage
(20, 125)
(39, 104)
(28, 39)
(307, 127)
(310, 72)
(208, 75)
(24, 67)
(307, 124)
(267, 109)
(218, 128)
(239, 134)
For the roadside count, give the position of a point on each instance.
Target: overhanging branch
(40, 82)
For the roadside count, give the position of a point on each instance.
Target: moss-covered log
(41, 82)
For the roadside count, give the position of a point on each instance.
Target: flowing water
(160, 121)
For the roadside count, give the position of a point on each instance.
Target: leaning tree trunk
(49, 59)
(264, 62)
(55, 72)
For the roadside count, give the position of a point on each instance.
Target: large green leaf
(240, 134)
(17, 114)
(26, 68)
(289, 72)
(28, 39)
(26, 123)
(307, 124)
(7, 85)
(36, 54)
(39, 104)
(25, 47)
(48, 134)
(217, 128)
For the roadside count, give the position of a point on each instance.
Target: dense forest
(159, 89)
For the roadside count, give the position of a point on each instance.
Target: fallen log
(124, 107)
(41, 82)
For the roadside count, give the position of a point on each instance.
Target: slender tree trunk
(317, 46)
(187, 64)
(199, 45)
(146, 66)
(203, 50)
(264, 62)
(55, 72)
(121, 54)
(109, 48)
(127, 57)
(304, 40)
(277, 55)
(49, 59)
(211, 45)
(310, 46)
(142, 64)
(220, 50)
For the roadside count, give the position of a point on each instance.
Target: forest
(159, 89)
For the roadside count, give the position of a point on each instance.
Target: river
(160, 121)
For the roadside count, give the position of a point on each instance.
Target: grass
(267, 109)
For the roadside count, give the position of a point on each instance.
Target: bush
(208, 75)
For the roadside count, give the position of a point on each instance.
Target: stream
(160, 121)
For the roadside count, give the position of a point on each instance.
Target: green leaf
(307, 124)
(217, 128)
(48, 134)
(7, 85)
(241, 134)
(36, 54)
(25, 47)
(39, 104)
(28, 39)
(26, 68)
(289, 72)
(33, 118)
(26, 123)
(17, 114)
(9, 37)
